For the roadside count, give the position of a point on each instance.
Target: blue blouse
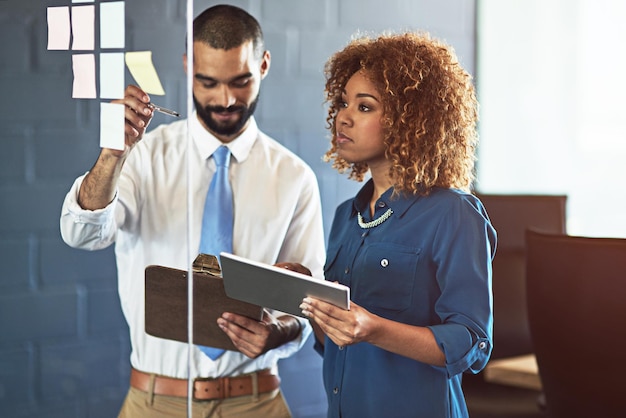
(429, 264)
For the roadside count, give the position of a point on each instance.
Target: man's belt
(206, 389)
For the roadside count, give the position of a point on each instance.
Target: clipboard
(166, 303)
(276, 287)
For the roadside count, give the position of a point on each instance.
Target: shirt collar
(399, 204)
(207, 143)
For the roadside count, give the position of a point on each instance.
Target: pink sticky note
(59, 28)
(83, 27)
(84, 68)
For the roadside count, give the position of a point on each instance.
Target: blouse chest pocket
(385, 278)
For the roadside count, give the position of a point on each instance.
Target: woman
(414, 245)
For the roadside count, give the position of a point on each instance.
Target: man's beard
(228, 128)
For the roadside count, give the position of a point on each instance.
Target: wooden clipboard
(166, 303)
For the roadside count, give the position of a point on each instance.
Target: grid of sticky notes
(73, 27)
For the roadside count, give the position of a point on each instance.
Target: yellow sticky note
(141, 68)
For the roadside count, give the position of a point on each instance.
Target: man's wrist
(291, 327)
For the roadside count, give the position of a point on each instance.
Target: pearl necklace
(382, 218)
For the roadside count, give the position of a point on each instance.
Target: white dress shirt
(277, 218)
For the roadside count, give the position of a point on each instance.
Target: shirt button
(384, 262)
(347, 270)
(364, 234)
(381, 204)
(341, 347)
(336, 391)
(482, 345)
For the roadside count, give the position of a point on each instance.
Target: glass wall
(550, 83)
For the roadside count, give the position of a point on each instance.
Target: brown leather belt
(206, 389)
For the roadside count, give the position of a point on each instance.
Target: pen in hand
(163, 110)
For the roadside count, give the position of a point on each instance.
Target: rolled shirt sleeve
(86, 229)
(463, 249)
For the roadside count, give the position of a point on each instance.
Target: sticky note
(112, 24)
(111, 75)
(83, 28)
(84, 68)
(112, 125)
(59, 28)
(141, 68)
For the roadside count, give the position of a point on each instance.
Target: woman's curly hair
(429, 104)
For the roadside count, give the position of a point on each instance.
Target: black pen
(163, 110)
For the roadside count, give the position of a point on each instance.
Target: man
(137, 199)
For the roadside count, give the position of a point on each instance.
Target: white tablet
(275, 287)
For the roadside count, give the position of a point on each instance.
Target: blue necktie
(217, 220)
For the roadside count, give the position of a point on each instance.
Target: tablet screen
(275, 287)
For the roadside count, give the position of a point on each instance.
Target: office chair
(576, 294)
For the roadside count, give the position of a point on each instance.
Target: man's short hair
(226, 27)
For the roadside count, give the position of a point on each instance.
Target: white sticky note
(112, 24)
(82, 1)
(112, 75)
(140, 65)
(59, 28)
(84, 68)
(83, 28)
(112, 125)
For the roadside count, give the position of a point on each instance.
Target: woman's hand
(341, 326)
(359, 325)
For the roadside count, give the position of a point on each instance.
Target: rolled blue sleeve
(463, 249)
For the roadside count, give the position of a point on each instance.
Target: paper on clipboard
(276, 288)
